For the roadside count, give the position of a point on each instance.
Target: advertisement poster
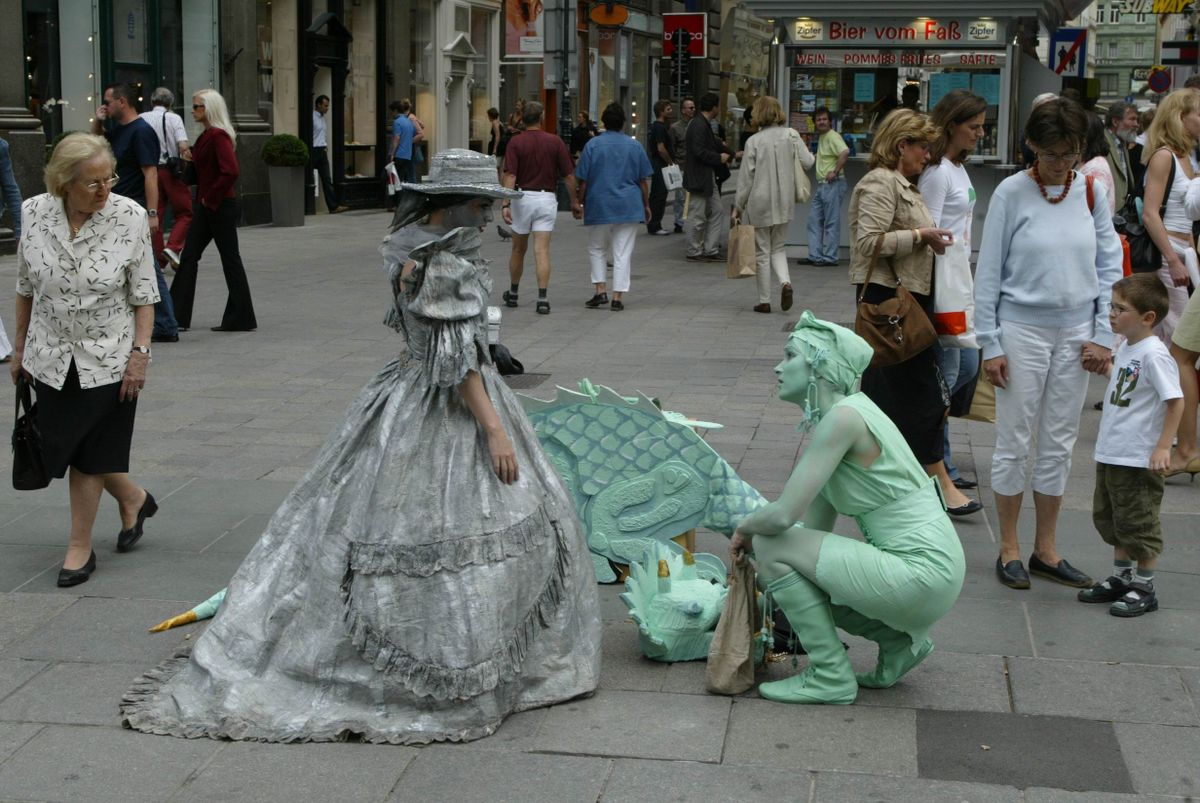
(524, 28)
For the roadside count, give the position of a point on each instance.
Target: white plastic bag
(672, 177)
(392, 178)
(954, 298)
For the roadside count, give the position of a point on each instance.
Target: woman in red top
(215, 217)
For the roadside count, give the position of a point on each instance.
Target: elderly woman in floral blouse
(85, 307)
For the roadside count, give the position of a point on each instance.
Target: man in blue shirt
(401, 148)
(135, 145)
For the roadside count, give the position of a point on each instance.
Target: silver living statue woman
(428, 577)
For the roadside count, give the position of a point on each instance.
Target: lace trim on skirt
(427, 679)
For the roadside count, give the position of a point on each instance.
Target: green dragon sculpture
(638, 475)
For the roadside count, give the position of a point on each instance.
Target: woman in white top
(1095, 160)
(774, 161)
(948, 193)
(1172, 136)
(86, 343)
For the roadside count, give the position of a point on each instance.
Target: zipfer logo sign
(1156, 6)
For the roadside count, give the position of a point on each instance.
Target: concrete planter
(287, 195)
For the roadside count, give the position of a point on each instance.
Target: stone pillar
(27, 143)
(239, 85)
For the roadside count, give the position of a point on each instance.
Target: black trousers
(320, 163)
(658, 200)
(209, 225)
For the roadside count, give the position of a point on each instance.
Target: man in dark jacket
(705, 214)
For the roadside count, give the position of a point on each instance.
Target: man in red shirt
(534, 161)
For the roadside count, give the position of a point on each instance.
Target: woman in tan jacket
(774, 162)
(887, 203)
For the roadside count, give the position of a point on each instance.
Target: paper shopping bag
(730, 667)
(983, 405)
(741, 262)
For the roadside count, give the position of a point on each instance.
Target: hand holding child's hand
(1160, 460)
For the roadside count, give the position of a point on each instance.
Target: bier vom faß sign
(923, 32)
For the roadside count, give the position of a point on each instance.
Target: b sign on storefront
(695, 28)
(923, 32)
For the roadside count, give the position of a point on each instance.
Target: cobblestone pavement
(1030, 696)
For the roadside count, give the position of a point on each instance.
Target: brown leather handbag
(897, 329)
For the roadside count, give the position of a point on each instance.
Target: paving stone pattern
(1029, 696)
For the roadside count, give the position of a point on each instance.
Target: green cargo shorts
(1125, 509)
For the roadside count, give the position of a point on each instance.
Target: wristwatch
(142, 350)
(152, 212)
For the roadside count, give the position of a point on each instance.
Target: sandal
(510, 298)
(1139, 599)
(1109, 590)
(543, 307)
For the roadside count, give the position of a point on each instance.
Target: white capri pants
(1177, 297)
(1047, 385)
(770, 257)
(621, 235)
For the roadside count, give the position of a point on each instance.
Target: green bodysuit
(910, 571)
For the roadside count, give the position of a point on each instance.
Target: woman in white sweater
(774, 162)
(1046, 268)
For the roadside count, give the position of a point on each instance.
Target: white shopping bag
(392, 178)
(672, 177)
(316, 184)
(954, 298)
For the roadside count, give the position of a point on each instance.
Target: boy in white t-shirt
(1142, 408)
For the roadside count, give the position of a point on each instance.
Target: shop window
(860, 88)
(480, 96)
(266, 62)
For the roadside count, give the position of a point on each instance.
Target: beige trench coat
(766, 189)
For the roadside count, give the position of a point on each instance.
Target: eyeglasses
(1052, 158)
(197, 106)
(108, 184)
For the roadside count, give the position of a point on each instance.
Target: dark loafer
(617, 306)
(1012, 574)
(762, 307)
(964, 484)
(1063, 573)
(785, 298)
(127, 538)
(73, 577)
(972, 506)
(597, 301)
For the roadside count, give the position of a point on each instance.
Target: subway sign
(1156, 6)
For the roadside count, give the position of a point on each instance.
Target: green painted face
(794, 375)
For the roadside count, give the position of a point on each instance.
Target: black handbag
(174, 164)
(29, 466)
(1144, 255)
(506, 364)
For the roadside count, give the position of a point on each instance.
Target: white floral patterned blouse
(83, 291)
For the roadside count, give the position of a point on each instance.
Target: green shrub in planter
(285, 150)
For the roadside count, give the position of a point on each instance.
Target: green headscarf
(833, 352)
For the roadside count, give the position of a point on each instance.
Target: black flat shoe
(127, 538)
(1012, 574)
(73, 577)
(596, 301)
(617, 306)
(964, 485)
(972, 506)
(1063, 573)
(233, 329)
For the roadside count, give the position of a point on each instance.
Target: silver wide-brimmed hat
(462, 172)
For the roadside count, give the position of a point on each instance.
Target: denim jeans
(959, 367)
(825, 220)
(164, 310)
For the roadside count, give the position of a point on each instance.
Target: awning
(1052, 13)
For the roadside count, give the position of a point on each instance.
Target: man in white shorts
(534, 161)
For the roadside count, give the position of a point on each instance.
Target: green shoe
(894, 662)
(828, 678)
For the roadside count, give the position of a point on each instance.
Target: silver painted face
(476, 213)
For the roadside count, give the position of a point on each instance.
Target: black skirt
(89, 430)
(912, 393)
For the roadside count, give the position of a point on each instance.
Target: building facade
(1125, 51)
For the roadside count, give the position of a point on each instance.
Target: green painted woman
(890, 589)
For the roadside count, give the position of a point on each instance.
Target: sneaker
(1139, 599)
(172, 257)
(696, 258)
(1109, 590)
(510, 298)
(596, 301)
(678, 229)
(661, 233)
(715, 257)
(341, 208)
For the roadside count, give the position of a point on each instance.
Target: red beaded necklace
(1042, 187)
